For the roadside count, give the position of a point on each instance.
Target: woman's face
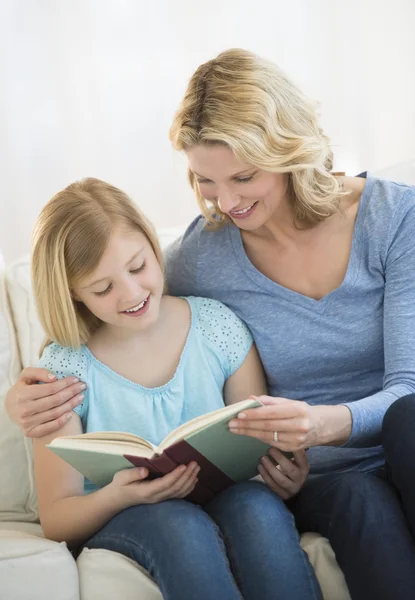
(247, 194)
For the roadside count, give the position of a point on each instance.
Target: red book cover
(211, 479)
(158, 465)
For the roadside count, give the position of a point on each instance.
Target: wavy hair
(69, 239)
(248, 104)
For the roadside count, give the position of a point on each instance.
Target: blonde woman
(151, 362)
(321, 268)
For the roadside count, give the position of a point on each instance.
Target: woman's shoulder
(385, 200)
(198, 234)
(65, 361)
(387, 217)
(191, 255)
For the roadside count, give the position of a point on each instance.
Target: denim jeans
(243, 544)
(369, 518)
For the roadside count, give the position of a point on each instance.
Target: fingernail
(68, 416)
(75, 380)
(50, 376)
(82, 386)
(233, 423)
(242, 416)
(80, 398)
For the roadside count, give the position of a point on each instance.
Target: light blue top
(216, 346)
(355, 346)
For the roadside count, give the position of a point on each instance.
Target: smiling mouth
(243, 212)
(136, 308)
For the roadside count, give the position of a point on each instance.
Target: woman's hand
(42, 409)
(297, 425)
(129, 486)
(287, 477)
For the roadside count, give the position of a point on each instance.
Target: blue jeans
(369, 518)
(243, 544)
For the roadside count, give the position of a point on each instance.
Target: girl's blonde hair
(247, 103)
(70, 237)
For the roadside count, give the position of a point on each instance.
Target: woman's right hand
(42, 409)
(129, 486)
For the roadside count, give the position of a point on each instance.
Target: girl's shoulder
(64, 361)
(220, 328)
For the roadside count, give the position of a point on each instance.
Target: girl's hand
(129, 488)
(42, 409)
(297, 424)
(287, 477)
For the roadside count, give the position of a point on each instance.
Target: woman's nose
(227, 201)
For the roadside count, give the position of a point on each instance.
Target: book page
(227, 412)
(118, 442)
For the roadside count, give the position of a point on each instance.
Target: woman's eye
(134, 271)
(244, 179)
(204, 181)
(104, 292)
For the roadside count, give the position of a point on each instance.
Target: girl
(150, 362)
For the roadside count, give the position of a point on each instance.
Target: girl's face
(248, 195)
(126, 287)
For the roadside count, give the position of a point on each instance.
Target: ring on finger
(275, 436)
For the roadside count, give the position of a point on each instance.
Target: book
(224, 457)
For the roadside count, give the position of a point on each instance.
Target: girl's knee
(253, 502)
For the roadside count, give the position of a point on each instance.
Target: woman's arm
(42, 409)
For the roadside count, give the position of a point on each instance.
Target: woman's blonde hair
(247, 103)
(70, 237)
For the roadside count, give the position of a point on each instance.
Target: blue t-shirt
(355, 346)
(216, 346)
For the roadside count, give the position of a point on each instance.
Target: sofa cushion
(107, 575)
(36, 569)
(17, 502)
(28, 329)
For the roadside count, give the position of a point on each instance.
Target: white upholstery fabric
(32, 568)
(16, 487)
(28, 329)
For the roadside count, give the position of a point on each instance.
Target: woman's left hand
(292, 425)
(287, 477)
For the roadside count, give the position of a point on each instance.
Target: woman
(321, 270)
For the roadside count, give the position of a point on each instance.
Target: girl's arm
(67, 515)
(248, 380)
(289, 478)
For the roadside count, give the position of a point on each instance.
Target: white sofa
(31, 567)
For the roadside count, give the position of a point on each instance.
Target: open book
(224, 457)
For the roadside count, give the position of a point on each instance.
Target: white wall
(89, 87)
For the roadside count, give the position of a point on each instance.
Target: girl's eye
(204, 181)
(244, 179)
(134, 271)
(104, 292)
